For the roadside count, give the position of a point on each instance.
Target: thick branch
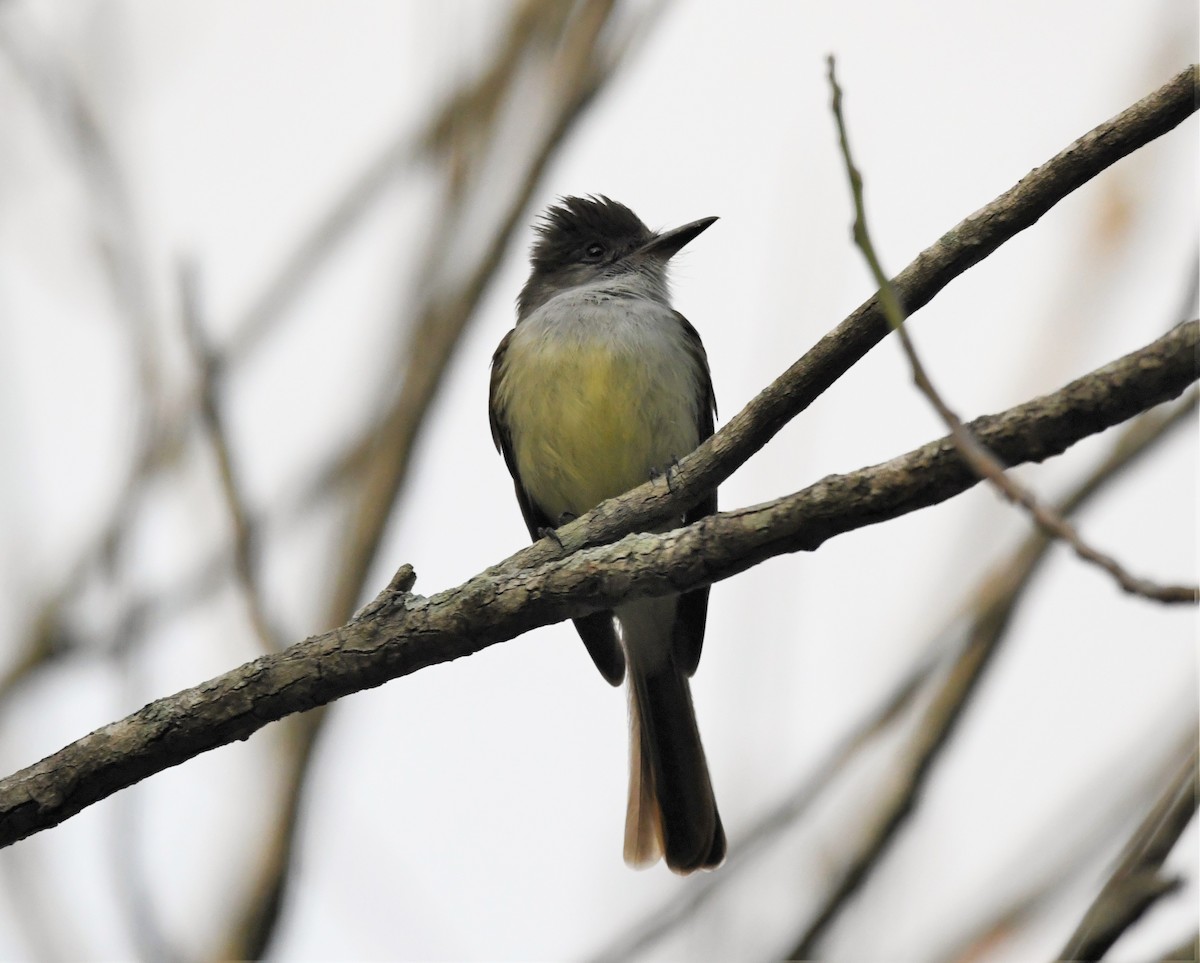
(400, 633)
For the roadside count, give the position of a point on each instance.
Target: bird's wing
(692, 610)
(597, 630)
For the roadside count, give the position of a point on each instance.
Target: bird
(600, 386)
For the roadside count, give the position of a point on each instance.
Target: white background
(474, 810)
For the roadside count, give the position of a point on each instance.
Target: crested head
(566, 230)
(582, 240)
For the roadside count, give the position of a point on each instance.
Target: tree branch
(401, 633)
(570, 50)
(998, 594)
(980, 459)
(963, 246)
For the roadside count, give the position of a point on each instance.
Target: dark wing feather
(692, 610)
(535, 520)
(598, 631)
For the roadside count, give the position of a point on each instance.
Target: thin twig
(978, 457)
(945, 711)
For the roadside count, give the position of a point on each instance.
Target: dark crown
(565, 228)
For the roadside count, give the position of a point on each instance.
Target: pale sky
(475, 809)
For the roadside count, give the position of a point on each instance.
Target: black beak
(667, 244)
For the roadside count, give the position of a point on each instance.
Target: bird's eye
(594, 251)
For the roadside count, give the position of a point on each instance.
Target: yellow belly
(589, 422)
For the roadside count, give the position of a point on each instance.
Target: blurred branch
(963, 246)
(573, 66)
(1136, 883)
(898, 798)
(257, 919)
(688, 900)
(45, 641)
(69, 114)
(551, 47)
(1133, 442)
(58, 95)
(68, 111)
(244, 534)
(1048, 867)
(980, 459)
(138, 895)
(996, 605)
(400, 633)
(1002, 588)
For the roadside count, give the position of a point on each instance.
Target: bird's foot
(552, 533)
(672, 471)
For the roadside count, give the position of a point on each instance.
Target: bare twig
(403, 634)
(979, 458)
(997, 606)
(942, 716)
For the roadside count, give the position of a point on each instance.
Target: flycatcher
(600, 386)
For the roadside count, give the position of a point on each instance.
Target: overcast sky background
(475, 809)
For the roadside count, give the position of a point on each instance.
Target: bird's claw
(552, 533)
(672, 470)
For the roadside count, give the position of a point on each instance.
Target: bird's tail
(672, 811)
